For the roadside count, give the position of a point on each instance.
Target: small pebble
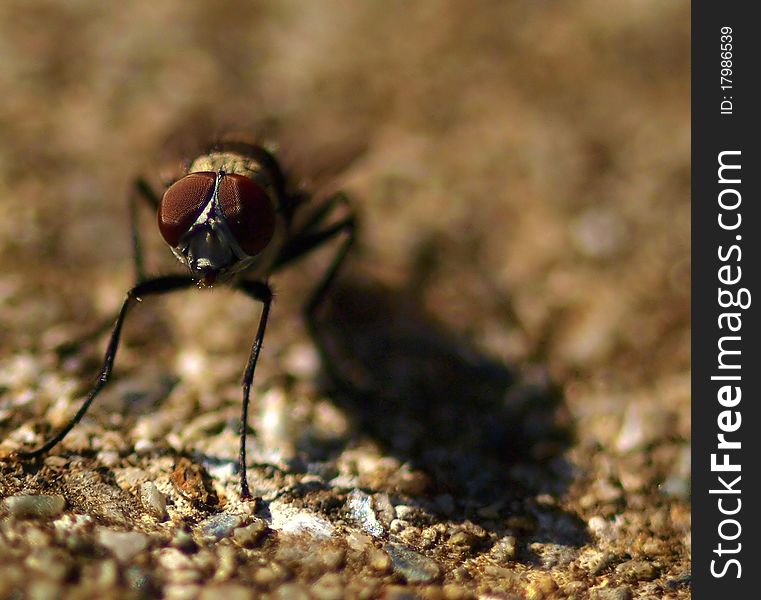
(598, 233)
(193, 483)
(56, 461)
(606, 492)
(109, 458)
(106, 572)
(398, 592)
(507, 577)
(43, 589)
(453, 591)
(227, 562)
(614, 593)
(596, 561)
(429, 537)
(542, 587)
(412, 537)
(143, 446)
(404, 512)
(414, 567)
(295, 521)
(637, 570)
(379, 561)
(228, 591)
(677, 484)
(36, 507)
(181, 591)
(634, 481)
(131, 477)
(291, 591)
(304, 555)
(53, 562)
(153, 500)
(682, 580)
(219, 526)
(268, 575)
(276, 425)
(360, 508)
(19, 372)
(384, 510)
(175, 561)
(643, 425)
(37, 537)
(463, 574)
(397, 526)
(358, 542)
(249, 536)
(554, 555)
(328, 587)
(302, 361)
(464, 540)
(504, 549)
(123, 544)
(603, 529)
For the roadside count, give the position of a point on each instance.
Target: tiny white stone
(42, 507)
(123, 544)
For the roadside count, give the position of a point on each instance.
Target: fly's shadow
(485, 434)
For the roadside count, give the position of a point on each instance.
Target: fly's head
(216, 223)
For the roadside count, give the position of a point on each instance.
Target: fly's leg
(141, 191)
(258, 290)
(158, 285)
(313, 235)
(308, 238)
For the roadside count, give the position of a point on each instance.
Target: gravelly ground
(509, 412)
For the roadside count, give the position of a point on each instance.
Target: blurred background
(520, 170)
(539, 151)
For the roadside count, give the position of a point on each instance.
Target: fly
(229, 219)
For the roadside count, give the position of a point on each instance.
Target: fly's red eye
(248, 211)
(182, 203)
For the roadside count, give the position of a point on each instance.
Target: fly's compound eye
(182, 203)
(248, 212)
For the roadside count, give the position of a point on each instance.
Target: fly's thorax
(235, 163)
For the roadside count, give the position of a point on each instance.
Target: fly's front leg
(261, 291)
(159, 285)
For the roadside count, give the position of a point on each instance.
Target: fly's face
(216, 223)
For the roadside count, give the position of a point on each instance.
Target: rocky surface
(503, 407)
